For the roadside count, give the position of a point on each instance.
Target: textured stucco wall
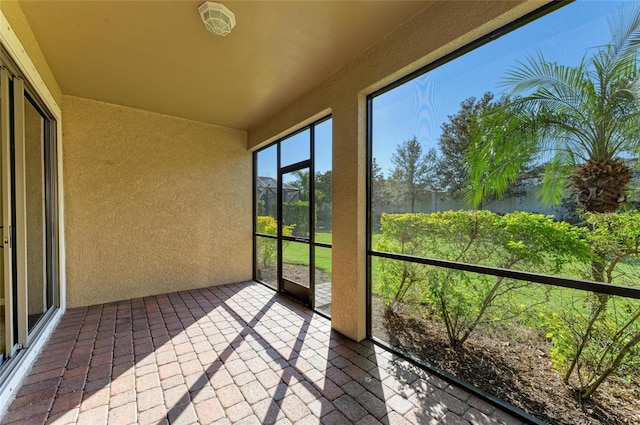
(440, 28)
(154, 203)
(18, 21)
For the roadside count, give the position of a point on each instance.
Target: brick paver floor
(229, 354)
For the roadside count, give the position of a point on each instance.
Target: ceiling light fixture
(217, 18)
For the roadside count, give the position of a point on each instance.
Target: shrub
(296, 214)
(598, 332)
(268, 248)
(594, 335)
(462, 300)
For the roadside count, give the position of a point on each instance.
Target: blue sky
(420, 106)
(296, 149)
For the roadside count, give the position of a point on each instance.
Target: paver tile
(62, 418)
(477, 417)
(350, 408)
(233, 354)
(399, 404)
(124, 414)
(268, 378)
(249, 420)
(321, 407)
(182, 414)
(33, 398)
(394, 418)
(229, 395)
(152, 416)
(172, 381)
(368, 420)
(253, 392)
(149, 399)
(176, 395)
(94, 416)
(238, 411)
(196, 381)
(335, 418)
(95, 399)
(353, 389)
(148, 381)
(372, 404)
(453, 419)
(294, 408)
(244, 378)
(209, 411)
(66, 402)
(122, 398)
(481, 405)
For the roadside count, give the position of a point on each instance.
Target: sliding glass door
(29, 245)
(7, 329)
(39, 288)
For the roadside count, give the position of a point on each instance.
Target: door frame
(16, 94)
(294, 289)
(14, 57)
(307, 297)
(6, 125)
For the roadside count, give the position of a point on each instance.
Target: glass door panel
(296, 273)
(267, 188)
(322, 280)
(295, 148)
(37, 293)
(267, 260)
(322, 190)
(9, 128)
(295, 203)
(28, 215)
(5, 216)
(295, 262)
(295, 231)
(266, 216)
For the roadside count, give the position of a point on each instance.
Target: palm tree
(303, 183)
(584, 120)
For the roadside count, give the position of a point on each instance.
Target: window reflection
(518, 156)
(36, 253)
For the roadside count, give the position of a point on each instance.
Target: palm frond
(624, 25)
(536, 72)
(498, 156)
(554, 181)
(628, 89)
(575, 114)
(558, 121)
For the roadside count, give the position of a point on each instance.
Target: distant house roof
(265, 182)
(269, 185)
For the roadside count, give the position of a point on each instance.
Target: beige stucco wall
(439, 29)
(18, 21)
(154, 203)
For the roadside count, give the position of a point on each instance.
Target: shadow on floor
(237, 354)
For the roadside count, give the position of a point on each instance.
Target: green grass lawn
(539, 303)
(552, 299)
(323, 237)
(298, 253)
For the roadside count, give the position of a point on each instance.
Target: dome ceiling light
(217, 18)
